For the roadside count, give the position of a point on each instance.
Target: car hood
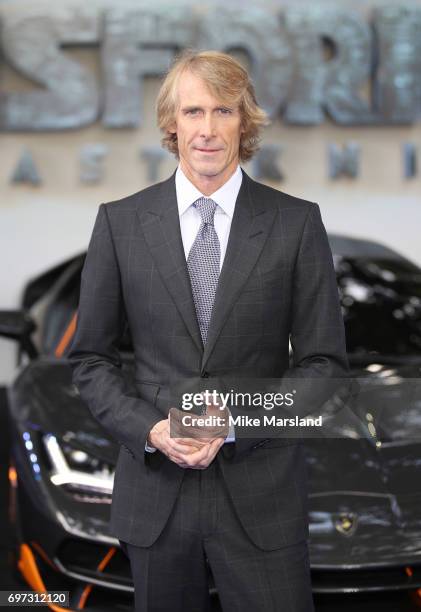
(365, 486)
(44, 398)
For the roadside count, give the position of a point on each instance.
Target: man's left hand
(202, 458)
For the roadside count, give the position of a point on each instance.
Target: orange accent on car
(408, 571)
(415, 597)
(29, 570)
(13, 476)
(88, 588)
(69, 332)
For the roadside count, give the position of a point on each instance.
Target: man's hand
(185, 452)
(206, 427)
(203, 457)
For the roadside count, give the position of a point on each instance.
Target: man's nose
(207, 127)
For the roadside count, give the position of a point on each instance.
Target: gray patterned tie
(203, 264)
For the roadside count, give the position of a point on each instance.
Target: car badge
(346, 523)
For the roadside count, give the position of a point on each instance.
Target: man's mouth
(201, 150)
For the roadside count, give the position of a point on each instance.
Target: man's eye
(225, 111)
(192, 111)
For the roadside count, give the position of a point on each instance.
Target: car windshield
(381, 304)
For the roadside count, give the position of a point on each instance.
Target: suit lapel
(161, 228)
(250, 227)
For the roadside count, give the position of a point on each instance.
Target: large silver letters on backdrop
(305, 64)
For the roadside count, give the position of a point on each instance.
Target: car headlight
(76, 469)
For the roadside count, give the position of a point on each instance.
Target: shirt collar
(225, 196)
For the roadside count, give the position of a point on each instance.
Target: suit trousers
(204, 532)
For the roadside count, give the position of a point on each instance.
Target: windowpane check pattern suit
(277, 284)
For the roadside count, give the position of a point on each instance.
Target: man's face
(208, 134)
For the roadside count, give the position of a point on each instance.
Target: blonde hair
(228, 81)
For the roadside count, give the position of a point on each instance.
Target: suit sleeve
(317, 329)
(94, 355)
(317, 332)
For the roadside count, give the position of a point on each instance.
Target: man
(213, 273)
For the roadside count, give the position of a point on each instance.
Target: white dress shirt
(190, 221)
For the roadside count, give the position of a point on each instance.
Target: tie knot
(206, 208)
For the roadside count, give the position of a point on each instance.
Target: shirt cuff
(150, 449)
(231, 434)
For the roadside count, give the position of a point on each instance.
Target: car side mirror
(18, 325)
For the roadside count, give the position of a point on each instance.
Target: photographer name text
(190, 420)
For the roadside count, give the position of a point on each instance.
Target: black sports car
(365, 496)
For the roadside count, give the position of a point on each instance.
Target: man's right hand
(185, 452)
(217, 417)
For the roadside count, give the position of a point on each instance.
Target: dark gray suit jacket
(277, 283)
